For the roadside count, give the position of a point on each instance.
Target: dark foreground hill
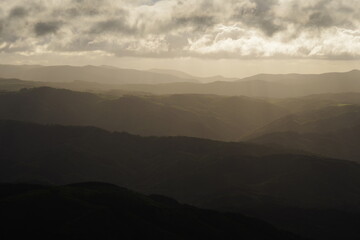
(104, 211)
(283, 187)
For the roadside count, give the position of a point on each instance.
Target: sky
(204, 37)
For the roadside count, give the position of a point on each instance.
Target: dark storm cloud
(320, 19)
(18, 12)
(318, 15)
(112, 26)
(44, 28)
(1, 27)
(196, 22)
(74, 12)
(264, 17)
(327, 13)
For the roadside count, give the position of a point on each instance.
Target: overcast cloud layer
(179, 28)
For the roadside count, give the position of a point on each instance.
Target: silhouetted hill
(16, 84)
(322, 120)
(317, 101)
(104, 211)
(330, 131)
(188, 76)
(321, 79)
(244, 88)
(341, 143)
(214, 117)
(227, 176)
(7, 85)
(97, 74)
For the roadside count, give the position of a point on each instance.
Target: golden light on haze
(195, 66)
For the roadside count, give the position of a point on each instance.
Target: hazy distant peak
(173, 72)
(301, 77)
(88, 73)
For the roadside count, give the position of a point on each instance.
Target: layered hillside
(205, 116)
(105, 211)
(260, 181)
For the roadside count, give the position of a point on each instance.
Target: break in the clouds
(178, 28)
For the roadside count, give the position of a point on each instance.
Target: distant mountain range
(120, 81)
(266, 85)
(96, 74)
(294, 78)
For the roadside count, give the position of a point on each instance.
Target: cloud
(178, 28)
(261, 15)
(18, 12)
(44, 28)
(116, 25)
(1, 26)
(239, 41)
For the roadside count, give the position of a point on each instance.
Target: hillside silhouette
(332, 131)
(105, 211)
(236, 177)
(205, 116)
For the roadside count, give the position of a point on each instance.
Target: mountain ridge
(89, 73)
(206, 116)
(94, 210)
(281, 186)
